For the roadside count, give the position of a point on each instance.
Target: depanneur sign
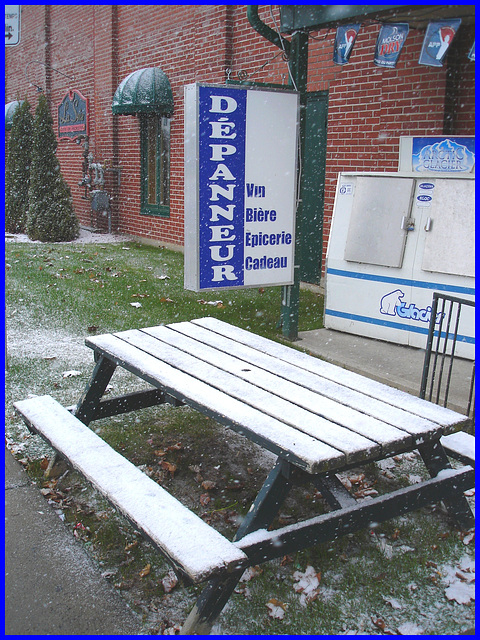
(240, 186)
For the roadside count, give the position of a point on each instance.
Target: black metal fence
(441, 359)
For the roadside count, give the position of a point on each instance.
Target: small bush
(51, 217)
(17, 169)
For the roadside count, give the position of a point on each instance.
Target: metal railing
(440, 355)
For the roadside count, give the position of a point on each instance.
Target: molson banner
(438, 38)
(389, 44)
(344, 41)
(240, 186)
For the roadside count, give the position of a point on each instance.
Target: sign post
(12, 25)
(240, 187)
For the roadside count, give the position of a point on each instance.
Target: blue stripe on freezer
(390, 324)
(403, 281)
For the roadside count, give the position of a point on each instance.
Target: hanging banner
(240, 186)
(389, 44)
(344, 41)
(438, 38)
(471, 55)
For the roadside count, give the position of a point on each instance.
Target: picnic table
(317, 418)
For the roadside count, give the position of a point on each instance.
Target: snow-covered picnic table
(318, 418)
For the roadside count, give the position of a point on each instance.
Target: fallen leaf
(276, 609)
(208, 485)
(168, 466)
(71, 374)
(145, 571)
(461, 592)
(131, 546)
(250, 573)
(163, 299)
(169, 582)
(92, 328)
(204, 499)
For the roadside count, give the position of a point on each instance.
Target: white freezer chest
(395, 239)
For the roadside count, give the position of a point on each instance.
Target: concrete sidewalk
(53, 587)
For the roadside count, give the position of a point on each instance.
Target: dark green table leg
(90, 400)
(261, 514)
(436, 460)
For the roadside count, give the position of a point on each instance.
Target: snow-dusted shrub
(51, 217)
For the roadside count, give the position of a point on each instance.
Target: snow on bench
(461, 446)
(189, 543)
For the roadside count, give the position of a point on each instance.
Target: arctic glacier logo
(392, 305)
(443, 155)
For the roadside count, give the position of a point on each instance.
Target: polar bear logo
(390, 302)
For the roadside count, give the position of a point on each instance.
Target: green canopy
(10, 109)
(144, 91)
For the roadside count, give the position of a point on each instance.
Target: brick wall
(97, 46)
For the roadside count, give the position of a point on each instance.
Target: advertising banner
(438, 38)
(471, 55)
(390, 42)
(240, 186)
(344, 41)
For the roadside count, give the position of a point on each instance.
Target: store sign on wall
(445, 155)
(240, 186)
(73, 116)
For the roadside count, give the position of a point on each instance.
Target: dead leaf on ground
(204, 499)
(145, 571)
(276, 609)
(169, 582)
(208, 485)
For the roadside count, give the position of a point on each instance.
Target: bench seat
(194, 548)
(460, 446)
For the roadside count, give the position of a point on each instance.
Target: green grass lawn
(394, 579)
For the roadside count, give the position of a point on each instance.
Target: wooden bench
(195, 549)
(460, 446)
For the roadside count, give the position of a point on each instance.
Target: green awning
(144, 91)
(10, 109)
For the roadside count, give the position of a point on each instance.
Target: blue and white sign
(438, 38)
(390, 41)
(444, 155)
(344, 40)
(240, 186)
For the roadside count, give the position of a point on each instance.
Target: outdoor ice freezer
(395, 239)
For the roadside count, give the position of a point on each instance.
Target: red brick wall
(98, 46)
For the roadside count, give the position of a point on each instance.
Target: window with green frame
(155, 165)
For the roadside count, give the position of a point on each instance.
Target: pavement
(52, 586)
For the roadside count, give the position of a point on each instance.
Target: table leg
(261, 514)
(436, 460)
(88, 403)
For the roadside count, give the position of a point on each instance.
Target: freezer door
(450, 228)
(377, 231)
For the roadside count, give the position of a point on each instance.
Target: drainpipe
(297, 51)
(264, 30)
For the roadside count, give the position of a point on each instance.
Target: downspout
(265, 31)
(297, 53)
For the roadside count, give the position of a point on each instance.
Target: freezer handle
(408, 224)
(428, 224)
